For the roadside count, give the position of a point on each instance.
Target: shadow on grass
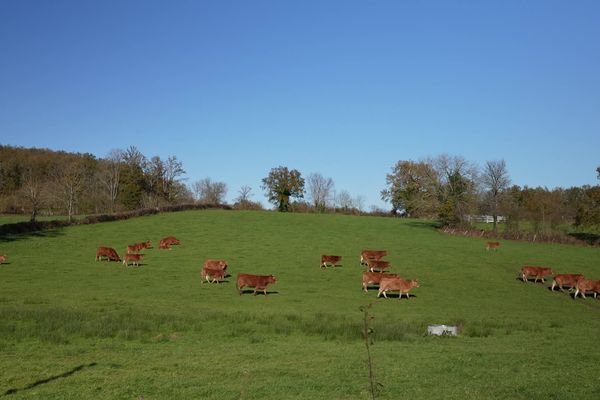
(590, 238)
(423, 224)
(50, 379)
(397, 296)
(531, 280)
(258, 292)
(13, 237)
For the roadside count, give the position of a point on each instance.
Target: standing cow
(108, 252)
(403, 286)
(537, 272)
(258, 282)
(333, 260)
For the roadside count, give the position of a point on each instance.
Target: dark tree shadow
(589, 238)
(6, 236)
(423, 224)
(50, 379)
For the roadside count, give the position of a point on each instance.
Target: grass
(72, 327)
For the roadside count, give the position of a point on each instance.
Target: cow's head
(272, 279)
(414, 283)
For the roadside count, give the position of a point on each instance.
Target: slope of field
(71, 327)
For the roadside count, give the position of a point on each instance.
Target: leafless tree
(208, 192)
(32, 191)
(495, 181)
(173, 170)
(109, 174)
(320, 190)
(69, 182)
(344, 200)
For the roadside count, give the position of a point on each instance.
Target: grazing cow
(492, 245)
(2, 259)
(380, 265)
(403, 286)
(374, 278)
(258, 282)
(333, 260)
(371, 255)
(215, 264)
(209, 274)
(586, 285)
(569, 280)
(134, 248)
(538, 272)
(134, 258)
(167, 242)
(108, 252)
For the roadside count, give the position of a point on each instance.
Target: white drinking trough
(440, 330)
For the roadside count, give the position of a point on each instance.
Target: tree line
(447, 188)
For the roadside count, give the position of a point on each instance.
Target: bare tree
(32, 191)
(495, 181)
(319, 190)
(209, 192)
(109, 175)
(245, 193)
(344, 200)
(69, 180)
(173, 170)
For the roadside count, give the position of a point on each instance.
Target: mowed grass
(74, 328)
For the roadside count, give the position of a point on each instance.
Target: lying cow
(134, 258)
(569, 280)
(403, 286)
(215, 264)
(492, 245)
(538, 272)
(366, 255)
(586, 285)
(167, 242)
(134, 248)
(258, 282)
(333, 260)
(108, 252)
(379, 265)
(369, 278)
(212, 275)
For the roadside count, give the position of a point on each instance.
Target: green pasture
(74, 328)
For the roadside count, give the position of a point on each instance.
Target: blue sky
(343, 88)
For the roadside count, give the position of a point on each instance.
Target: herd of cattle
(214, 271)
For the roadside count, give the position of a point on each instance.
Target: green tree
(412, 189)
(281, 184)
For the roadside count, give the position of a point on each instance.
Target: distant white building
(488, 219)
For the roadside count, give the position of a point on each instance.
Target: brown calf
(2, 259)
(379, 265)
(374, 278)
(167, 242)
(134, 258)
(366, 255)
(333, 260)
(586, 285)
(538, 272)
(212, 275)
(492, 245)
(215, 264)
(403, 286)
(134, 248)
(569, 280)
(108, 252)
(258, 282)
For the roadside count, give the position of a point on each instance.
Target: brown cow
(586, 285)
(333, 260)
(215, 264)
(374, 278)
(2, 259)
(167, 242)
(538, 272)
(403, 286)
(134, 248)
(258, 282)
(134, 258)
(371, 255)
(108, 252)
(380, 265)
(215, 274)
(569, 280)
(492, 245)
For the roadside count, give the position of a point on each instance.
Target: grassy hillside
(72, 327)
